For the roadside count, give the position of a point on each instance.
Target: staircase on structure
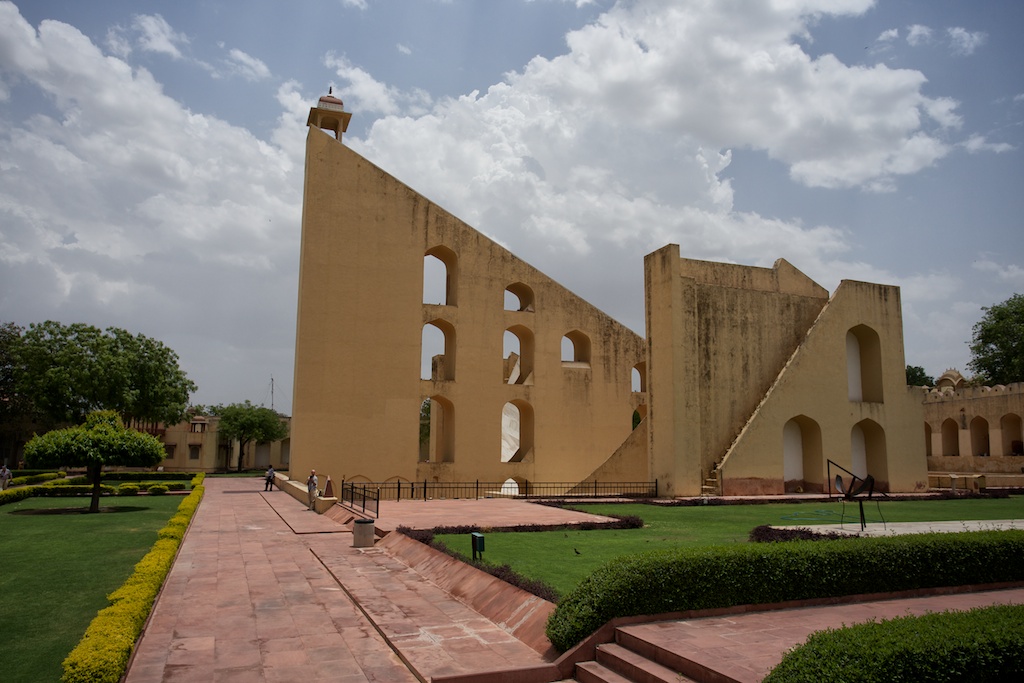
(710, 485)
(633, 660)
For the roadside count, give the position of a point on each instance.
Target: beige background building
(195, 445)
(754, 377)
(974, 430)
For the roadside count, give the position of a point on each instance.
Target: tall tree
(997, 343)
(917, 377)
(68, 371)
(246, 422)
(101, 440)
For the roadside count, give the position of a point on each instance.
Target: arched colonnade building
(426, 351)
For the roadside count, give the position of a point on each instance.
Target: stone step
(635, 666)
(592, 672)
(688, 669)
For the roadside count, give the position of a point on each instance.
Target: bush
(36, 478)
(68, 490)
(983, 644)
(704, 578)
(103, 653)
(127, 490)
(769, 534)
(157, 489)
(14, 495)
(148, 476)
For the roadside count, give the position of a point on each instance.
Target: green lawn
(57, 569)
(562, 558)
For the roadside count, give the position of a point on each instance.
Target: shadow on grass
(77, 511)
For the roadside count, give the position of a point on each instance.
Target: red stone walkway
(264, 590)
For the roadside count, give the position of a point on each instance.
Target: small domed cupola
(329, 114)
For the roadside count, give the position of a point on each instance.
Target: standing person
(269, 485)
(5, 477)
(311, 488)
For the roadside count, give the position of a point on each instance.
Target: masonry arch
(514, 486)
(1013, 441)
(868, 452)
(576, 347)
(927, 440)
(440, 276)
(438, 351)
(440, 430)
(802, 456)
(638, 377)
(517, 425)
(950, 437)
(639, 414)
(518, 342)
(979, 437)
(864, 364)
(519, 297)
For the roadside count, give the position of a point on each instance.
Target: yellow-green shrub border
(104, 651)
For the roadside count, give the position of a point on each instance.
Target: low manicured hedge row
(65, 490)
(14, 495)
(142, 476)
(764, 573)
(983, 644)
(103, 653)
(36, 478)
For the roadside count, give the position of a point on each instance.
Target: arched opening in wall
(950, 437)
(639, 414)
(927, 440)
(638, 377)
(440, 276)
(286, 451)
(979, 437)
(1013, 441)
(437, 430)
(576, 348)
(513, 486)
(516, 431)
(437, 351)
(864, 364)
(518, 297)
(518, 349)
(801, 456)
(868, 453)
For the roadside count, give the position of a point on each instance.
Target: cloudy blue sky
(151, 152)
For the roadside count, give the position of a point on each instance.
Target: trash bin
(362, 533)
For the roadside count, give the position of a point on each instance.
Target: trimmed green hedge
(982, 644)
(103, 653)
(140, 476)
(14, 495)
(764, 573)
(36, 478)
(67, 490)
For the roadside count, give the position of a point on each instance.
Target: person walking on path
(311, 488)
(269, 485)
(5, 477)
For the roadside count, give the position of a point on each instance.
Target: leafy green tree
(997, 343)
(68, 371)
(101, 440)
(917, 377)
(246, 422)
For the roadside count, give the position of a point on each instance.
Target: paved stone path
(264, 590)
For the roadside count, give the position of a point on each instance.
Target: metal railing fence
(427, 490)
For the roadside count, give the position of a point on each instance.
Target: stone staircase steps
(616, 663)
